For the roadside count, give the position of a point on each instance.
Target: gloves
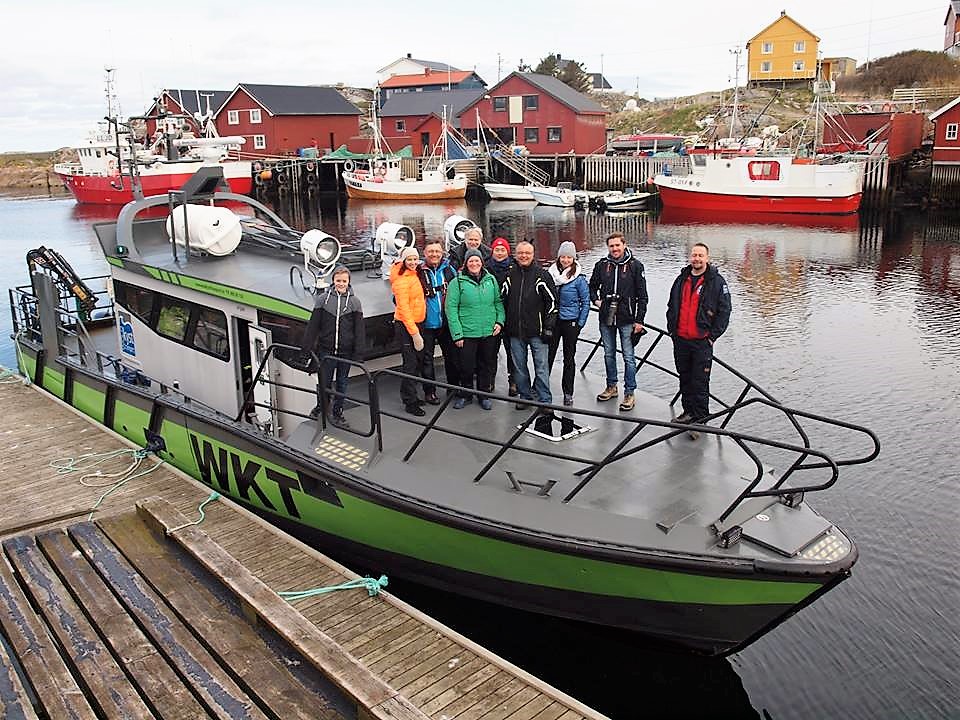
(547, 335)
(417, 342)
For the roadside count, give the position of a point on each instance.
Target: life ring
(281, 178)
(112, 165)
(311, 166)
(312, 179)
(349, 165)
(257, 166)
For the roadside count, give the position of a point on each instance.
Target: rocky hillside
(25, 171)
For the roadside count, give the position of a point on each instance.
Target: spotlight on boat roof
(320, 253)
(391, 238)
(455, 228)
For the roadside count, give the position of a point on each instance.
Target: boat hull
(505, 191)
(359, 188)
(544, 196)
(108, 190)
(692, 199)
(705, 606)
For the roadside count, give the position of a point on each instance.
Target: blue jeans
(331, 364)
(541, 368)
(608, 334)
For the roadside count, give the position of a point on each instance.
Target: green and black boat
(191, 349)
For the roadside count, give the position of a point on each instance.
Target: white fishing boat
(382, 176)
(627, 200)
(560, 196)
(506, 191)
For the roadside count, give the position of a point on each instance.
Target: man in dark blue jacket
(436, 274)
(698, 313)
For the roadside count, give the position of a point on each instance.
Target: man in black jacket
(618, 288)
(472, 240)
(530, 302)
(698, 313)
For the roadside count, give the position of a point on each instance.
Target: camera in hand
(614, 304)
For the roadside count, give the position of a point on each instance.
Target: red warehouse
(279, 119)
(902, 132)
(540, 112)
(415, 118)
(946, 137)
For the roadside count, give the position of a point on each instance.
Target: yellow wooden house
(783, 50)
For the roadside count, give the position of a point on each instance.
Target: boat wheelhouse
(618, 519)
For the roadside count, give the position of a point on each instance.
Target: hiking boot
(339, 421)
(627, 403)
(431, 399)
(521, 406)
(610, 393)
(512, 391)
(568, 400)
(682, 419)
(414, 409)
(460, 403)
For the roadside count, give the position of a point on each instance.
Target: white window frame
(766, 66)
(951, 131)
(800, 46)
(401, 125)
(255, 117)
(554, 138)
(259, 142)
(766, 48)
(233, 117)
(798, 65)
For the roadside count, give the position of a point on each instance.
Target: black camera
(614, 304)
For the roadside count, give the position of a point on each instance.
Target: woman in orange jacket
(411, 311)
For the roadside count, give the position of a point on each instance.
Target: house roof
(432, 64)
(955, 7)
(428, 78)
(195, 101)
(430, 103)
(297, 99)
(949, 106)
(557, 89)
(783, 16)
(599, 82)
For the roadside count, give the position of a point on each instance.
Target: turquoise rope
(213, 496)
(372, 585)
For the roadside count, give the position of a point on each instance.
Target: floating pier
(154, 598)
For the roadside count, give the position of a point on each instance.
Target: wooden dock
(136, 614)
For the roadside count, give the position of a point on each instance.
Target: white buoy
(213, 230)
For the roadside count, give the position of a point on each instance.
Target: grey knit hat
(567, 248)
(471, 253)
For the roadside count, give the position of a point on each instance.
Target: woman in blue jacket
(573, 297)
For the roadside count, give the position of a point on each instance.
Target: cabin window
(553, 134)
(800, 46)
(233, 117)
(173, 318)
(98, 153)
(500, 104)
(138, 301)
(797, 65)
(766, 66)
(210, 334)
(764, 170)
(255, 117)
(531, 136)
(286, 331)
(767, 48)
(951, 131)
(401, 126)
(531, 102)
(259, 142)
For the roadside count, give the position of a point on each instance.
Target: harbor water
(852, 318)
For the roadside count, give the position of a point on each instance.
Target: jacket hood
(626, 256)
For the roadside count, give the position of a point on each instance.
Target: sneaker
(568, 400)
(627, 403)
(460, 403)
(414, 409)
(682, 419)
(339, 421)
(521, 406)
(609, 394)
(486, 403)
(512, 390)
(431, 399)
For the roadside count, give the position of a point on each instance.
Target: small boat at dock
(506, 191)
(560, 196)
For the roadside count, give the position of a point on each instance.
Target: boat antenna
(736, 86)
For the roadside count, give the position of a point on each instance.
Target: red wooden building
(280, 119)
(946, 137)
(901, 131)
(540, 112)
(415, 118)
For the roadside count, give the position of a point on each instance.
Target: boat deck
(109, 618)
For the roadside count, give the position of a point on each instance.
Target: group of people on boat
(479, 298)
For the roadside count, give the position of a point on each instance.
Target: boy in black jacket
(336, 330)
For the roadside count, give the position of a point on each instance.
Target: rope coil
(116, 480)
(372, 585)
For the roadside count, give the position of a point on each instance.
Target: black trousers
(412, 365)
(565, 332)
(504, 341)
(431, 338)
(693, 359)
(478, 359)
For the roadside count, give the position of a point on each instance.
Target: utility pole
(499, 66)
(601, 71)
(736, 87)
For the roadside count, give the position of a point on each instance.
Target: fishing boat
(112, 168)
(617, 519)
(382, 176)
(560, 196)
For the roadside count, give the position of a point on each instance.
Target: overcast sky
(55, 52)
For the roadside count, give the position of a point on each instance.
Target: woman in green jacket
(475, 315)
